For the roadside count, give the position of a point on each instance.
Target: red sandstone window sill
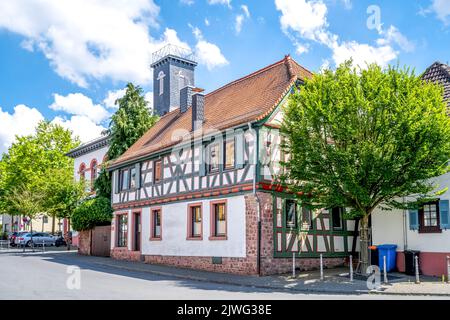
(194, 238)
(221, 238)
(155, 239)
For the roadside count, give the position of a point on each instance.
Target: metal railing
(173, 50)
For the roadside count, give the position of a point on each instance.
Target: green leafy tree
(30, 163)
(62, 193)
(91, 213)
(360, 139)
(128, 124)
(27, 203)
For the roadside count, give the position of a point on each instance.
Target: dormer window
(160, 78)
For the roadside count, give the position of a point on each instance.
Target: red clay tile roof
(440, 73)
(248, 99)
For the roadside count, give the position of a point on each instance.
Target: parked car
(36, 239)
(60, 241)
(14, 235)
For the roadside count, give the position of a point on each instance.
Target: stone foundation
(125, 254)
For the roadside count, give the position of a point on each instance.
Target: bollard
(321, 267)
(293, 264)
(448, 269)
(416, 262)
(385, 270)
(351, 268)
(43, 246)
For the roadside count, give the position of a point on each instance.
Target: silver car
(36, 239)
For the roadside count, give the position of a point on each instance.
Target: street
(50, 276)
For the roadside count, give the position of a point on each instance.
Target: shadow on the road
(270, 284)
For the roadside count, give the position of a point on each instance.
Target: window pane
(214, 157)
(125, 180)
(307, 218)
(196, 221)
(133, 178)
(291, 213)
(337, 218)
(122, 231)
(220, 219)
(157, 223)
(229, 154)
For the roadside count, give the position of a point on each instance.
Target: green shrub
(91, 213)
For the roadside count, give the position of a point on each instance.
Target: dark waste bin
(373, 255)
(410, 262)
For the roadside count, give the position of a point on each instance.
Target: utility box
(410, 261)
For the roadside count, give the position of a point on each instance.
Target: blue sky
(66, 60)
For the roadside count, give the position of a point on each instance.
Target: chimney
(186, 98)
(198, 111)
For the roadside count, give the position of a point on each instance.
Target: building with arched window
(88, 159)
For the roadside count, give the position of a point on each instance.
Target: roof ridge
(249, 75)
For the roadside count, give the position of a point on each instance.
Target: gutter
(258, 203)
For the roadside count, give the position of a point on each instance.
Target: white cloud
(149, 98)
(305, 21)
(22, 121)
(187, 2)
(393, 35)
(442, 10)
(80, 105)
(307, 18)
(206, 52)
(347, 4)
(81, 126)
(224, 2)
(112, 96)
(363, 54)
(88, 40)
(246, 11)
(239, 20)
(207, 23)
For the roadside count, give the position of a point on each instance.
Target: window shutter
(444, 214)
(138, 175)
(239, 147)
(202, 162)
(414, 219)
(116, 181)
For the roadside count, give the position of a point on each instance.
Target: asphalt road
(56, 276)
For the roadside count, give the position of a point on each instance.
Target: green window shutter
(444, 214)
(201, 161)
(414, 219)
(138, 175)
(116, 181)
(239, 147)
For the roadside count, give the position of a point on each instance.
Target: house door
(137, 232)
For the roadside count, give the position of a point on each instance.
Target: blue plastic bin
(390, 252)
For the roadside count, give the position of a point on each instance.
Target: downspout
(405, 228)
(258, 203)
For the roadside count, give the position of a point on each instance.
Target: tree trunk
(364, 243)
(53, 224)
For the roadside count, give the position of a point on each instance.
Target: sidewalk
(336, 281)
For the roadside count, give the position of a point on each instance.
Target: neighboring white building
(88, 159)
(428, 228)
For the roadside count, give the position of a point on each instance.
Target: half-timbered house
(199, 189)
